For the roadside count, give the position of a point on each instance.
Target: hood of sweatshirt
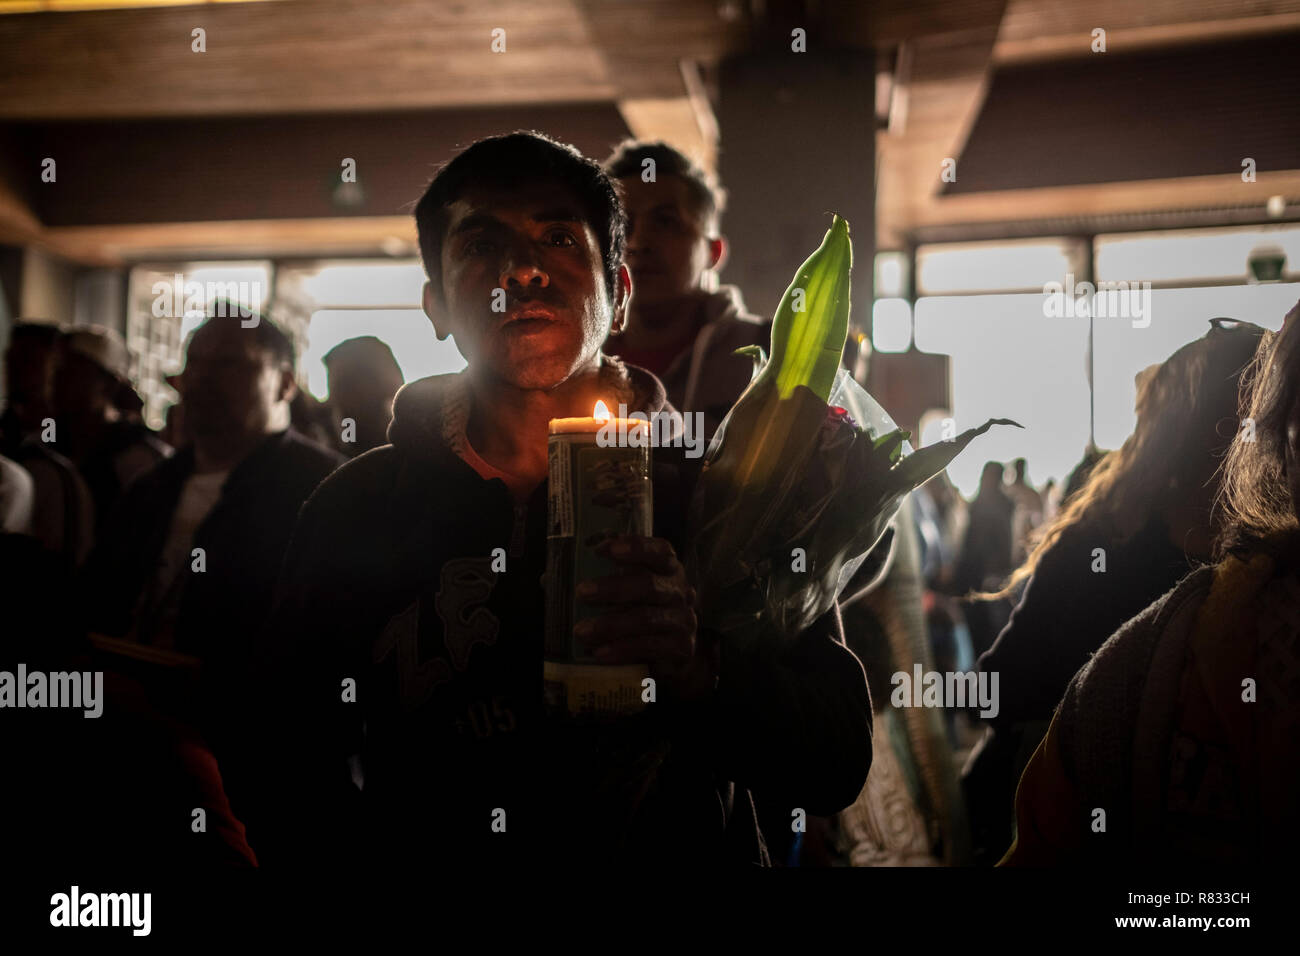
(727, 305)
(426, 412)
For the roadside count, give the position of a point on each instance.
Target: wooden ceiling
(949, 79)
(650, 57)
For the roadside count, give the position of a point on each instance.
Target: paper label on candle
(560, 491)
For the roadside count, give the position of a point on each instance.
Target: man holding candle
(406, 664)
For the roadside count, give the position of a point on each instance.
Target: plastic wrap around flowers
(806, 471)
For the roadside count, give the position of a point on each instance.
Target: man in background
(681, 326)
(63, 514)
(1028, 514)
(110, 449)
(363, 377)
(188, 563)
(986, 557)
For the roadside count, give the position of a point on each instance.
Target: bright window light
(891, 325)
(1009, 361)
(1193, 255)
(1178, 316)
(407, 332)
(891, 274)
(373, 284)
(993, 266)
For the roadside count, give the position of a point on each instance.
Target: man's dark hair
(514, 159)
(629, 159)
(364, 349)
(269, 336)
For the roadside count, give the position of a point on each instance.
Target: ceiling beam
(296, 56)
(1104, 199)
(120, 245)
(1052, 29)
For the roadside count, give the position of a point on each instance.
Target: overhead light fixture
(1267, 263)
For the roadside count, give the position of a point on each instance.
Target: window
(1009, 361)
(345, 299)
(1016, 356)
(165, 303)
(1021, 266)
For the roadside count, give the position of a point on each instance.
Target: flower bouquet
(806, 471)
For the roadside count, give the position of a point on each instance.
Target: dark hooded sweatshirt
(445, 755)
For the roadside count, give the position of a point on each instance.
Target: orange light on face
(600, 412)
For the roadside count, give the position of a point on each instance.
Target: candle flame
(600, 412)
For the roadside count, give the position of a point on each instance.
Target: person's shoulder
(127, 435)
(369, 473)
(1116, 672)
(727, 305)
(309, 454)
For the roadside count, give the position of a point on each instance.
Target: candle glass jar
(599, 488)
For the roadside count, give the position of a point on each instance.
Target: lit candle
(600, 421)
(599, 488)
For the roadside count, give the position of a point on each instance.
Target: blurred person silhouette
(1140, 523)
(1079, 474)
(1051, 500)
(173, 430)
(63, 512)
(1029, 511)
(363, 378)
(681, 326)
(1183, 724)
(188, 563)
(110, 449)
(29, 381)
(985, 558)
(17, 498)
(311, 419)
(910, 811)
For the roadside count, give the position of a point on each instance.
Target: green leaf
(807, 344)
(922, 465)
(757, 354)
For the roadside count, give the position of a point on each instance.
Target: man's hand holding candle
(650, 616)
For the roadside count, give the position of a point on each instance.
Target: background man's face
(365, 394)
(532, 242)
(29, 373)
(667, 241)
(81, 387)
(230, 386)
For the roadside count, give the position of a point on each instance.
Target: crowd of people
(315, 655)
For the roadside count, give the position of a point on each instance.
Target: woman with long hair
(1181, 730)
(1141, 522)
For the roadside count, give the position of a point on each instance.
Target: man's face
(668, 243)
(29, 371)
(532, 243)
(365, 394)
(81, 387)
(231, 387)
